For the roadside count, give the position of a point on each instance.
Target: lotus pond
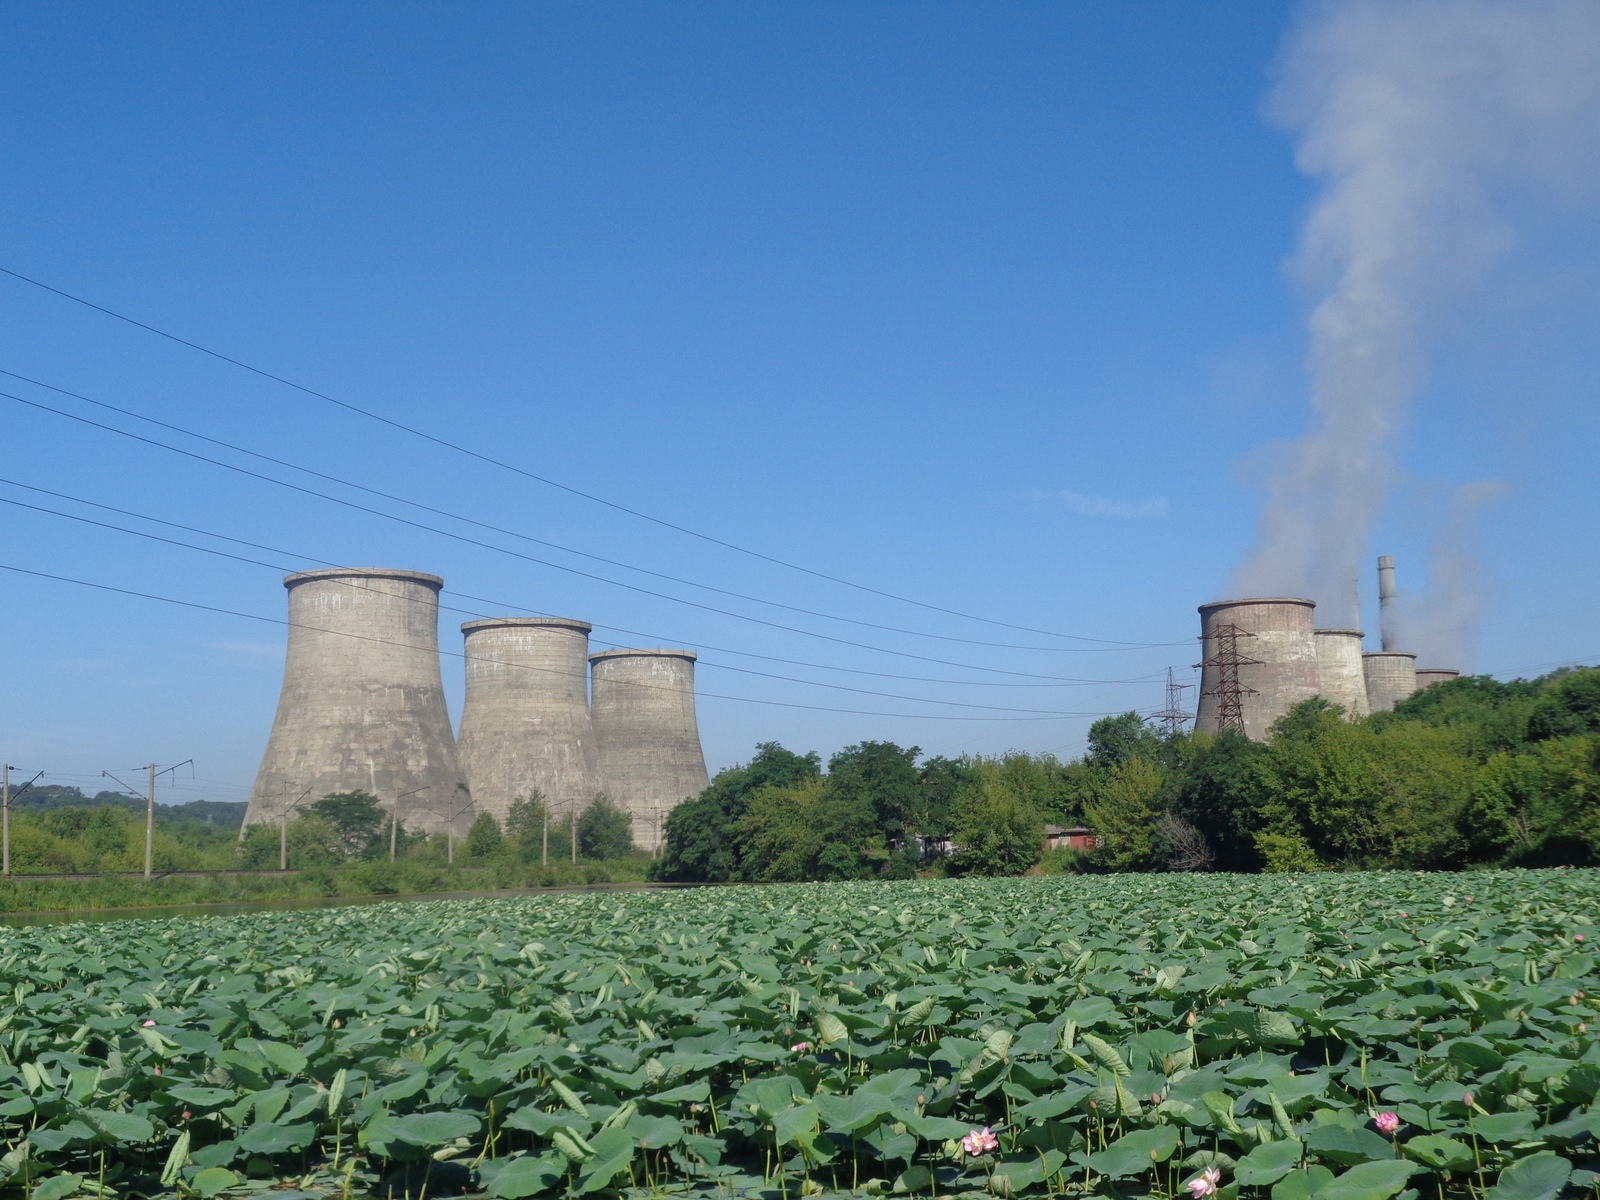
(1326, 1037)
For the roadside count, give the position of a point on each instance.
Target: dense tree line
(1471, 772)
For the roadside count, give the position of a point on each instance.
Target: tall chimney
(1386, 605)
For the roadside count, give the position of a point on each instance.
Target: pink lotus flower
(800, 1047)
(979, 1141)
(186, 1114)
(1205, 1183)
(1577, 937)
(147, 1024)
(1387, 1123)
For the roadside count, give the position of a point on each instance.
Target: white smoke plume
(1437, 624)
(1433, 126)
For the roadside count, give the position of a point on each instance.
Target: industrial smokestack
(525, 724)
(362, 706)
(1387, 610)
(1278, 670)
(1341, 678)
(1391, 677)
(647, 735)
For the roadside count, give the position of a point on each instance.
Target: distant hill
(224, 814)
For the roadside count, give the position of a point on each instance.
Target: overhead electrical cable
(340, 481)
(212, 608)
(1054, 681)
(513, 553)
(839, 687)
(541, 479)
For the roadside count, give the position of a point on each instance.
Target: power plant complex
(363, 705)
(1263, 656)
(363, 708)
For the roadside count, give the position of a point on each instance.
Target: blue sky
(984, 306)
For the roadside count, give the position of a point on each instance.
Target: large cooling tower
(525, 725)
(1391, 677)
(647, 735)
(1428, 676)
(1278, 663)
(363, 706)
(1341, 678)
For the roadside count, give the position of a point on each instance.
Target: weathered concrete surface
(525, 726)
(1284, 646)
(647, 734)
(1428, 676)
(363, 704)
(1391, 677)
(1341, 678)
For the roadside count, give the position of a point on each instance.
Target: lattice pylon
(1227, 688)
(1172, 717)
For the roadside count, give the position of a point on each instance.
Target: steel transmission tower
(1230, 693)
(1172, 717)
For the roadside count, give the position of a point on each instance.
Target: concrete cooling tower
(362, 705)
(1428, 676)
(1391, 677)
(1278, 669)
(647, 735)
(525, 725)
(1342, 679)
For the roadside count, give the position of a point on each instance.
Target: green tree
(525, 826)
(808, 832)
(880, 779)
(604, 830)
(1124, 812)
(1217, 790)
(941, 780)
(358, 817)
(997, 829)
(698, 845)
(1114, 740)
(484, 838)
(1570, 706)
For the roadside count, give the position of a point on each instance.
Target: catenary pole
(149, 821)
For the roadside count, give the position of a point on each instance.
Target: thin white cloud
(1100, 506)
(249, 650)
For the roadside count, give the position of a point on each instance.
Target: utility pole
(149, 822)
(450, 828)
(1228, 690)
(283, 823)
(5, 813)
(149, 807)
(574, 833)
(544, 835)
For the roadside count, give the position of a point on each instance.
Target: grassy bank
(20, 894)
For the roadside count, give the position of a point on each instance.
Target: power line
(526, 557)
(446, 513)
(516, 470)
(212, 608)
(1054, 681)
(351, 583)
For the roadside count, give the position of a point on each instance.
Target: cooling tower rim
(573, 623)
(1255, 600)
(1453, 671)
(599, 655)
(434, 581)
(1390, 654)
(1355, 633)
